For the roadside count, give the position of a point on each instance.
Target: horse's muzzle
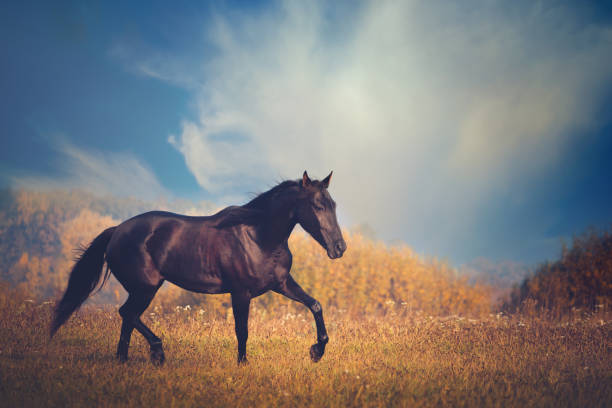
(336, 249)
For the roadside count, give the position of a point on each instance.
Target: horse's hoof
(122, 358)
(243, 361)
(316, 352)
(157, 356)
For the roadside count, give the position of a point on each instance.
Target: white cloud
(422, 109)
(119, 174)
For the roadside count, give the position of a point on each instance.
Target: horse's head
(316, 213)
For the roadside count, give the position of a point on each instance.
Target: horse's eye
(318, 207)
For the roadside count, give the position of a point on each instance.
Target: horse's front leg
(292, 290)
(240, 306)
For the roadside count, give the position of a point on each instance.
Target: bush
(581, 281)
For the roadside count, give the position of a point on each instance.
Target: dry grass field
(404, 330)
(385, 359)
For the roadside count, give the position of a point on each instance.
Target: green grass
(412, 360)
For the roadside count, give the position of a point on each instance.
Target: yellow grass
(379, 359)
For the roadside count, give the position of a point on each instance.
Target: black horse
(241, 250)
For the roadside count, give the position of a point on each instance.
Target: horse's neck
(277, 227)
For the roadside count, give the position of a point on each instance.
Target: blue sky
(478, 129)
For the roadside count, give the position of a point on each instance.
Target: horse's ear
(305, 179)
(327, 179)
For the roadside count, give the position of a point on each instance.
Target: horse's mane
(280, 191)
(256, 209)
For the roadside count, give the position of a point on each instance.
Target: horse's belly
(203, 284)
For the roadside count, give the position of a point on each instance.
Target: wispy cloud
(424, 110)
(97, 171)
(147, 61)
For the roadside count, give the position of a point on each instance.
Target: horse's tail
(84, 278)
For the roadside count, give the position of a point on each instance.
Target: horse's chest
(261, 271)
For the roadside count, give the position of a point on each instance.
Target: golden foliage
(47, 275)
(581, 281)
(372, 276)
(32, 271)
(76, 234)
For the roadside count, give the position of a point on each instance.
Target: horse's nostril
(339, 246)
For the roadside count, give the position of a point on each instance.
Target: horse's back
(135, 231)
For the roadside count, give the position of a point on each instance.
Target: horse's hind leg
(131, 311)
(124, 339)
